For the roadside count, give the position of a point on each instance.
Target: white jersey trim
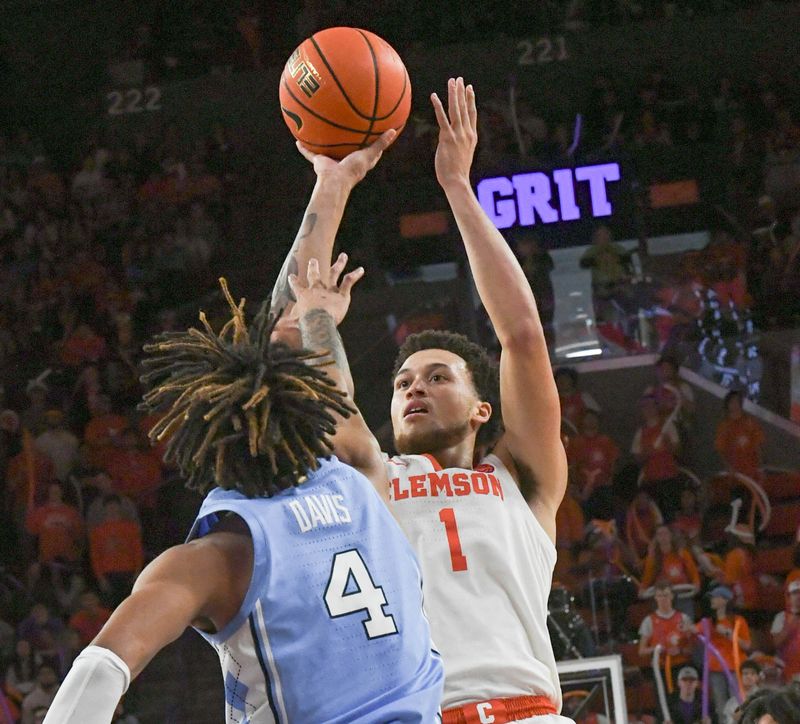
(276, 679)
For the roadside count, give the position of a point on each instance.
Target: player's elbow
(525, 336)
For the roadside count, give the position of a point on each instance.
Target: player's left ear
(481, 412)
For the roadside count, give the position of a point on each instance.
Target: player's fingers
(441, 116)
(313, 274)
(472, 108)
(350, 279)
(308, 155)
(336, 269)
(383, 141)
(452, 104)
(461, 102)
(294, 283)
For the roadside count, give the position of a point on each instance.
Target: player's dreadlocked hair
(244, 413)
(481, 368)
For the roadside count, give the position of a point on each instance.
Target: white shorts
(546, 719)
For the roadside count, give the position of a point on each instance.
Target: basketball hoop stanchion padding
(599, 669)
(662, 697)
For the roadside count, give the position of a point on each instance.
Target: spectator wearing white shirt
(59, 444)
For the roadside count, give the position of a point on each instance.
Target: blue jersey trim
(268, 681)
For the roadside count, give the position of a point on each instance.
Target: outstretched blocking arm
(202, 581)
(320, 303)
(531, 444)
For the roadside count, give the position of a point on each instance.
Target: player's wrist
(455, 183)
(337, 181)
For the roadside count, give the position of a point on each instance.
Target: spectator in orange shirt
(59, 527)
(725, 260)
(592, 457)
(101, 430)
(688, 520)
(89, 618)
(671, 391)
(17, 479)
(738, 567)
(135, 471)
(668, 627)
(116, 553)
(655, 446)
(641, 520)
(739, 438)
(722, 627)
(82, 346)
(669, 561)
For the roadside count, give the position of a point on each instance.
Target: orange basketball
(341, 88)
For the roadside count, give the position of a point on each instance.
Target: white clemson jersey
(487, 568)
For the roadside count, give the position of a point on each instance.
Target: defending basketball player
(484, 529)
(294, 572)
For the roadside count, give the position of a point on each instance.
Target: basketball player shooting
(484, 529)
(295, 572)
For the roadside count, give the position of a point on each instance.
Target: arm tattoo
(281, 292)
(319, 334)
(308, 226)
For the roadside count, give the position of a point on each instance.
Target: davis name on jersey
(331, 629)
(312, 511)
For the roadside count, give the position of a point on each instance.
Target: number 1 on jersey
(457, 557)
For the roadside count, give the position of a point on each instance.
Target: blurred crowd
(94, 259)
(189, 39)
(650, 554)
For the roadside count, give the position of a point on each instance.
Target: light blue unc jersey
(331, 628)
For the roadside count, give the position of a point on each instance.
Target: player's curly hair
(782, 704)
(482, 369)
(242, 413)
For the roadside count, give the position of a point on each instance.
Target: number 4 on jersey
(349, 566)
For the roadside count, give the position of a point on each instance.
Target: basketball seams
(336, 80)
(376, 94)
(355, 144)
(399, 100)
(406, 84)
(344, 93)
